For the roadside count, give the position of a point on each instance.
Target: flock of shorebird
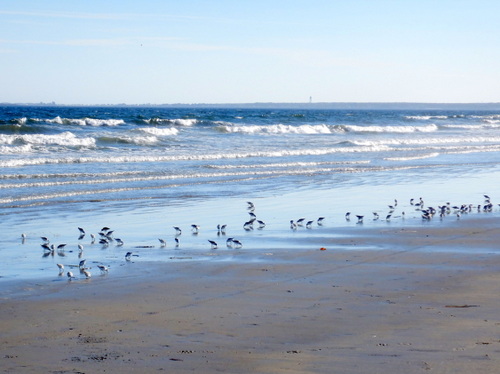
(106, 235)
(429, 212)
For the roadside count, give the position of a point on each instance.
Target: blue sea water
(143, 170)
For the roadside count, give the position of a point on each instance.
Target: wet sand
(384, 300)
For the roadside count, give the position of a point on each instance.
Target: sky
(246, 51)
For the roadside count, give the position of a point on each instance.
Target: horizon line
(305, 103)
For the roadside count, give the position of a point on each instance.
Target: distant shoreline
(301, 106)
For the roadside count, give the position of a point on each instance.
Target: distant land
(302, 106)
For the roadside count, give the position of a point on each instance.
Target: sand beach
(377, 300)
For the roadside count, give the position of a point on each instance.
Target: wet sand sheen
(395, 309)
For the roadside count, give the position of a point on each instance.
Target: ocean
(143, 170)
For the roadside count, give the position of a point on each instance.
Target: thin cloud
(99, 42)
(72, 15)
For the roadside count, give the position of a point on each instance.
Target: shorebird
(87, 274)
(82, 233)
(250, 206)
(103, 269)
(348, 216)
(128, 255)
(360, 218)
(213, 244)
(195, 229)
(92, 237)
(61, 247)
(320, 220)
(45, 239)
(300, 221)
(23, 237)
(163, 243)
(309, 224)
(119, 242)
(293, 225)
(178, 231)
(375, 216)
(229, 242)
(262, 224)
(237, 243)
(70, 275)
(248, 226)
(82, 264)
(177, 243)
(420, 204)
(80, 248)
(61, 268)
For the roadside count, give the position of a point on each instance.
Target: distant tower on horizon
(310, 99)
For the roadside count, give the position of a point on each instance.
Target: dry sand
(417, 300)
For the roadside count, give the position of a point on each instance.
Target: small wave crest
(186, 122)
(411, 158)
(389, 129)
(486, 124)
(84, 121)
(125, 139)
(276, 129)
(190, 157)
(160, 131)
(426, 117)
(12, 150)
(64, 139)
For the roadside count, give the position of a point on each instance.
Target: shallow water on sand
(140, 225)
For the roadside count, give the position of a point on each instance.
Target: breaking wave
(186, 122)
(276, 129)
(83, 121)
(160, 131)
(64, 139)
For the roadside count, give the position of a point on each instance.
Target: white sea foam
(487, 116)
(276, 129)
(189, 157)
(183, 122)
(10, 150)
(158, 131)
(287, 164)
(492, 123)
(390, 129)
(427, 141)
(64, 139)
(410, 158)
(139, 140)
(426, 117)
(487, 124)
(21, 121)
(186, 122)
(85, 121)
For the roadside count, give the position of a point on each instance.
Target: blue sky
(108, 52)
